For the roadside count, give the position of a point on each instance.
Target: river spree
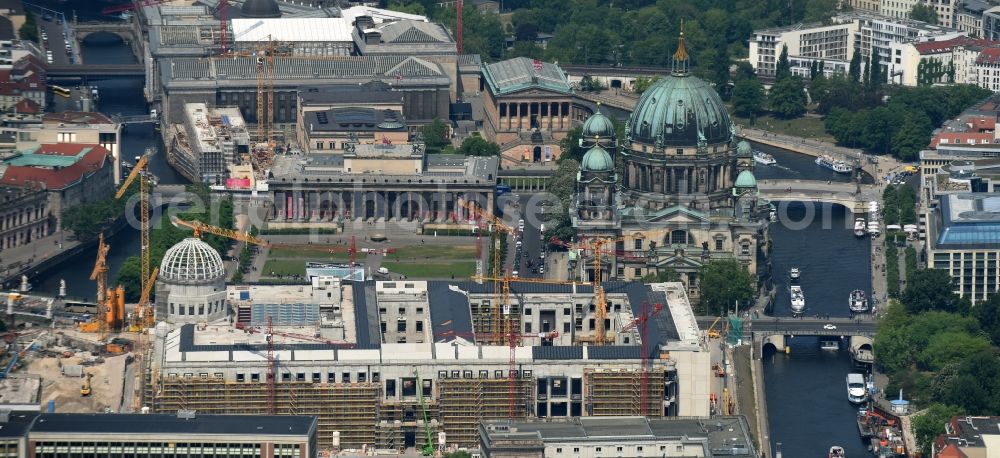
(122, 96)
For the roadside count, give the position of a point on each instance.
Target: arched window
(678, 237)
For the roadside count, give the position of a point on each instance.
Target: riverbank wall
(36, 265)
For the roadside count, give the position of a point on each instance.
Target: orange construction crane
(100, 275)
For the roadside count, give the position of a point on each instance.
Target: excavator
(85, 389)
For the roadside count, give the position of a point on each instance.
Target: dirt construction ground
(106, 384)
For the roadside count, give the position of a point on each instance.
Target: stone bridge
(852, 196)
(128, 31)
(776, 331)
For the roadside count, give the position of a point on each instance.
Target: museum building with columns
(378, 182)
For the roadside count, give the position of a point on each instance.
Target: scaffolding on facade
(349, 410)
(617, 392)
(464, 402)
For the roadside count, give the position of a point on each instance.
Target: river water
(117, 96)
(806, 394)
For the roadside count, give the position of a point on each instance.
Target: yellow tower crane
(597, 246)
(139, 172)
(500, 322)
(200, 228)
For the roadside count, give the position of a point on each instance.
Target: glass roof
(976, 233)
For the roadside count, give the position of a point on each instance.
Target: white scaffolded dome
(192, 260)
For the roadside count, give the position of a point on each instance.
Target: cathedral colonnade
(683, 179)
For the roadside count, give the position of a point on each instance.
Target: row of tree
(631, 32)
(941, 351)
(902, 126)
(899, 205)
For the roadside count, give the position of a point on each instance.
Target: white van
(383, 271)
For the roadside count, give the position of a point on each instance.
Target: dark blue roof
(17, 424)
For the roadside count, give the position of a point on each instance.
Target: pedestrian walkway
(25, 258)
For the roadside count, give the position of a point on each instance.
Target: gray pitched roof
(414, 32)
(299, 68)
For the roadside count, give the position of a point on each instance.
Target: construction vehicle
(428, 448)
(712, 332)
(85, 389)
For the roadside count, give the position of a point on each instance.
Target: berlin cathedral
(678, 191)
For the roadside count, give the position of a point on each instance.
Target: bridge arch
(102, 37)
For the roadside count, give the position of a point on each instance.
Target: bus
(61, 91)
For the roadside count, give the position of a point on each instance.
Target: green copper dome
(598, 125)
(597, 160)
(743, 149)
(680, 110)
(746, 180)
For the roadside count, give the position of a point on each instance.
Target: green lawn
(456, 269)
(284, 267)
(433, 252)
(807, 127)
(312, 253)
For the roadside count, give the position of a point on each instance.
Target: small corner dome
(598, 125)
(597, 160)
(744, 149)
(192, 260)
(260, 9)
(746, 180)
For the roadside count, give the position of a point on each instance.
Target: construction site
(392, 365)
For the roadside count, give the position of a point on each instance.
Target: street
(51, 34)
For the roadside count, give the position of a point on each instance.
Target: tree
(526, 49)
(854, 70)
(478, 146)
(925, 13)
(788, 98)
(912, 137)
(931, 289)
(748, 98)
(988, 314)
(663, 275)
(744, 71)
(930, 424)
(783, 69)
(589, 84)
(569, 146)
(410, 7)
(435, 135)
(128, 276)
(526, 31)
(724, 283)
(875, 77)
(642, 83)
(28, 30)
